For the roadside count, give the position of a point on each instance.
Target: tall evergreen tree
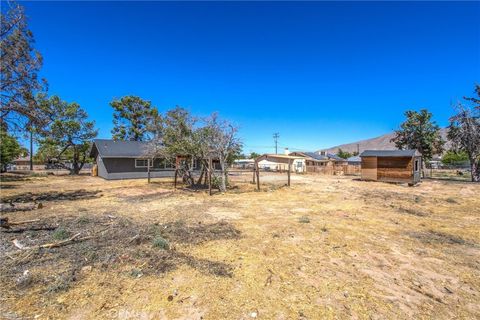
(70, 132)
(19, 67)
(132, 118)
(419, 132)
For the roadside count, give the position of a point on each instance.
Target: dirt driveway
(327, 247)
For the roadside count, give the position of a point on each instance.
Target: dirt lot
(327, 247)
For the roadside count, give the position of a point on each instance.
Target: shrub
(83, 220)
(304, 219)
(161, 243)
(60, 234)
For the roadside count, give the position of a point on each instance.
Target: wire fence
(457, 172)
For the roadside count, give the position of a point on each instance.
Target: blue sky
(319, 73)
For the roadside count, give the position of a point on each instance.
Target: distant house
(281, 162)
(243, 163)
(23, 163)
(354, 161)
(127, 160)
(338, 161)
(312, 160)
(391, 165)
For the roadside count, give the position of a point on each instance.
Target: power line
(276, 135)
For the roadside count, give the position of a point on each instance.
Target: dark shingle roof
(354, 159)
(315, 155)
(334, 157)
(390, 153)
(119, 149)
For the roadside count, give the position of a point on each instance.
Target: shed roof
(390, 153)
(107, 148)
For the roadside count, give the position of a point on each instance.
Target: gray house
(127, 160)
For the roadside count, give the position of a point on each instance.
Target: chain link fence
(457, 172)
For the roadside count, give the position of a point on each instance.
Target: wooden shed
(402, 166)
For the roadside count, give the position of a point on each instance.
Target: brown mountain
(378, 143)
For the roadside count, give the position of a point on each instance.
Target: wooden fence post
(258, 176)
(175, 181)
(289, 168)
(148, 169)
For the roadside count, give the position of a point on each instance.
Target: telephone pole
(276, 135)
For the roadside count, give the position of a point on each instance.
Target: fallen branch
(10, 207)
(60, 243)
(47, 228)
(20, 246)
(4, 223)
(65, 242)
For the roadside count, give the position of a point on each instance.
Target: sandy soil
(327, 247)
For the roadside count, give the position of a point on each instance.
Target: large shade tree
(69, 132)
(19, 67)
(464, 131)
(419, 132)
(132, 118)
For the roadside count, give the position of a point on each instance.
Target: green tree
(464, 132)
(254, 155)
(69, 132)
(452, 157)
(343, 154)
(421, 133)
(46, 151)
(10, 149)
(177, 135)
(19, 67)
(132, 118)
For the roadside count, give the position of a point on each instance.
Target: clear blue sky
(319, 73)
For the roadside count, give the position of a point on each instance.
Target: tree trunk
(424, 168)
(75, 169)
(475, 167)
(224, 176)
(199, 181)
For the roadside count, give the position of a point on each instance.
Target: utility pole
(276, 135)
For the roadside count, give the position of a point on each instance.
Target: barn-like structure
(403, 166)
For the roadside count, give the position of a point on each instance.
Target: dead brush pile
(53, 252)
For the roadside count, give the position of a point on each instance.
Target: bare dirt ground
(327, 247)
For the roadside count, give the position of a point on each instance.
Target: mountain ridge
(377, 143)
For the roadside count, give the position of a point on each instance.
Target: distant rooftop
(354, 159)
(390, 153)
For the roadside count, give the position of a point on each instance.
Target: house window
(162, 163)
(143, 163)
(416, 165)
